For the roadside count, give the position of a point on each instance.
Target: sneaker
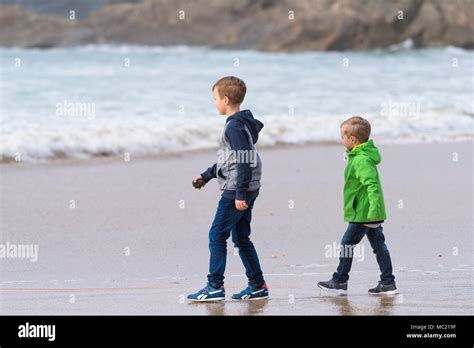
(208, 294)
(384, 289)
(332, 286)
(252, 293)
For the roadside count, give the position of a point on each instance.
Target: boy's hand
(199, 182)
(241, 205)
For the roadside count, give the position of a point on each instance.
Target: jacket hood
(369, 150)
(246, 117)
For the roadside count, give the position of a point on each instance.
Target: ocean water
(109, 100)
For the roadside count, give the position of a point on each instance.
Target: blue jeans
(354, 233)
(230, 220)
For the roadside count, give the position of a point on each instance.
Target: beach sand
(136, 241)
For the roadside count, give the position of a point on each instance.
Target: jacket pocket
(354, 203)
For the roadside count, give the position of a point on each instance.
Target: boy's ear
(226, 100)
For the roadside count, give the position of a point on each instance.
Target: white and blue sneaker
(208, 294)
(252, 293)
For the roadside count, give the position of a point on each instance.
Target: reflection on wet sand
(341, 305)
(254, 307)
(248, 307)
(384, 305)
(215, 308)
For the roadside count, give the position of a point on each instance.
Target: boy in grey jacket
(238, 171)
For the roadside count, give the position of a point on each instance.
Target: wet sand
(136, 240)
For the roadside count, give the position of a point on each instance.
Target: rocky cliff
(285, 25)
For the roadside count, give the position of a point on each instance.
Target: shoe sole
(216, 299)
(391, 292)
(341, 292)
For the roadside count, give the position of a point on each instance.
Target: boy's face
(348, 141)
(221, 103)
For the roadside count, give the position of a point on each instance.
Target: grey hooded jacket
(238, 168)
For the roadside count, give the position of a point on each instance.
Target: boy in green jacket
(364, 208)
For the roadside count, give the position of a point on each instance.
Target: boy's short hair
(358, 127)
(232, 87)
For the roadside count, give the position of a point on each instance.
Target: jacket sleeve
(366, 172)
(239, 141)
(209, 173)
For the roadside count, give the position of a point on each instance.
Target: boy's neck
(357, 145)
(232, 110)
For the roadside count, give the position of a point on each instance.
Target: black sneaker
(384, 289)
(335, 287)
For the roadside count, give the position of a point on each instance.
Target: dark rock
(260, 24)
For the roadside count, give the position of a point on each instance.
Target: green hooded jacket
(363, 196)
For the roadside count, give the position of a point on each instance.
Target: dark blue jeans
(354, 233)
(230, 220)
